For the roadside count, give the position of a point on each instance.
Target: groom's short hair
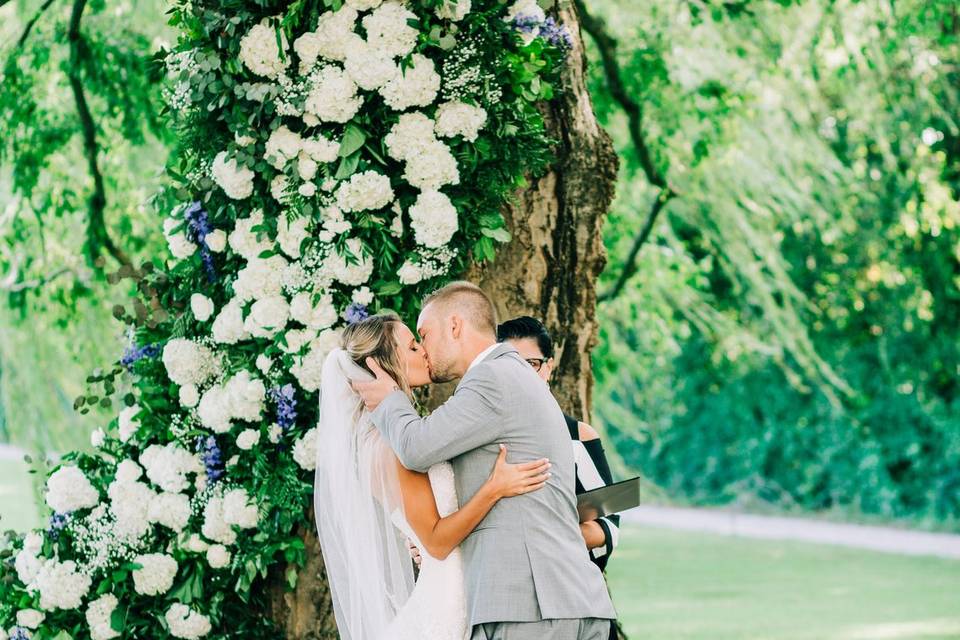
(471, 300)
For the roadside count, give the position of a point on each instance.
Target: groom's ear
(456, 326)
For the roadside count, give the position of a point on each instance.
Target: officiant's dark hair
(375, 337)
(527, 327)
(475, 301)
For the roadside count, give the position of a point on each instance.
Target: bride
(368, 505)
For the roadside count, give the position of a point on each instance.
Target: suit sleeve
(471, 418)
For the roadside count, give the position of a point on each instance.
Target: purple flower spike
(198, 226)
(135, 354)
(286, 403)
(212, 458)
(556, 34)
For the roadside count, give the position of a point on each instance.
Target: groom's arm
(470, 419)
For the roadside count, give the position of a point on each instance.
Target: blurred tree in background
(779, 316)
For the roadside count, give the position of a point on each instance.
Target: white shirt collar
(483, 354)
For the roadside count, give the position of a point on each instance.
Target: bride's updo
(376, 337)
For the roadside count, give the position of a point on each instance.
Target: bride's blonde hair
(376, 337)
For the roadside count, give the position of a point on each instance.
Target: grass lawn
(676, 585)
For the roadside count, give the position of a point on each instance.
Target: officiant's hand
(373, 392)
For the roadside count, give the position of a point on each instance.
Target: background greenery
(787, 333)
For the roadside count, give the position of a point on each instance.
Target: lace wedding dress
(437, 608)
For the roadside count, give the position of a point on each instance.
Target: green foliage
(791, 335)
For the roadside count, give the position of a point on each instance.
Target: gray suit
(526, 561)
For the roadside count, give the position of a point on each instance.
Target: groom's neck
(475, 345)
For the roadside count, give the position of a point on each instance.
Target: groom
(528, 575)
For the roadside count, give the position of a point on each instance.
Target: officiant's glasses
(536, 363)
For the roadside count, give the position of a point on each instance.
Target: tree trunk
(549, 270)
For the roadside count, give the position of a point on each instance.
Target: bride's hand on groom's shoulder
(373, 392)
(508, 480)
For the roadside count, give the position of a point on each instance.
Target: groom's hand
(373, 392)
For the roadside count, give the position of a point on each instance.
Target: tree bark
(549, 270)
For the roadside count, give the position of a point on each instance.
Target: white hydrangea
(332, 39)
(334, 220)
(308, 369)
(416, 86)
(216, 240)
(283, 145)
(410, 273)
(127, 422)
(130, 503)
(460, 119)
(194, 543)
(274, 433)
(61, 585)
(261, 278)
(321, 315)
(353, 271)
(296, 339)
(128, 471)
(189, 395)
(454, 10)
(369, 67)
(243, 239)
(268, 316)
(171, 510)
(239, 509)
(27, 563)
(321, 149)
(363, 296)
(156, 574)
(333, 97)
(528, 8)
(305, 450)
(167, 466)
(186, 623)
(259, 51)
(264, 362)
(218, 557)
(97, 437)
(99, 613)
(188, 362)
(248, 439)
(432, 168)
(292, 233)
(214, 526)
(433, 218)
(30, 618)
(202, 307)
(242, 397)
(236, 181)
(228, 325)
(180, 247)
(68, 489)
(388, 31)
(411, 135)
(365, 190)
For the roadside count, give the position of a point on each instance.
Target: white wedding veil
(356, 498)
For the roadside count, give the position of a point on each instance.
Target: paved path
(729, 523)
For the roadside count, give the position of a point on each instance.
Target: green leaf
(499, 234)
(389, 288)
(353, 139)
(347, 167)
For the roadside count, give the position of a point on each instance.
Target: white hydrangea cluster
(236, 181)
(332, 38)
(129, 504)
(282, 146)
(388, 29)
(68, 489)
(260, 278)
(305, 450)
(411, 135)
(27, 562)
(433, 218)
(127, 422)
(239, 398)
(460, 119)
(432, 168)
(99, 613)
(61, 585)
(454, 10)
(333, 96)
(217, 556)
(292, 233)
(226, 509)
(180, 247)
(352, 270)
(188, 362)
(369, 66)
(155, 575)
(308, 368)
(30, 618)
(319, 315)
(167, 466)
(417, 86)
(186, 623)
(531, 10)
(247, 242)
(171, 510)
(259, 51)
(365, 190)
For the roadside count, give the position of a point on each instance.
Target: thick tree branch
(607, 46)
(29, 26)
(630, 265)
(97, 236)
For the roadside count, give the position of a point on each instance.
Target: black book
(608, 500)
